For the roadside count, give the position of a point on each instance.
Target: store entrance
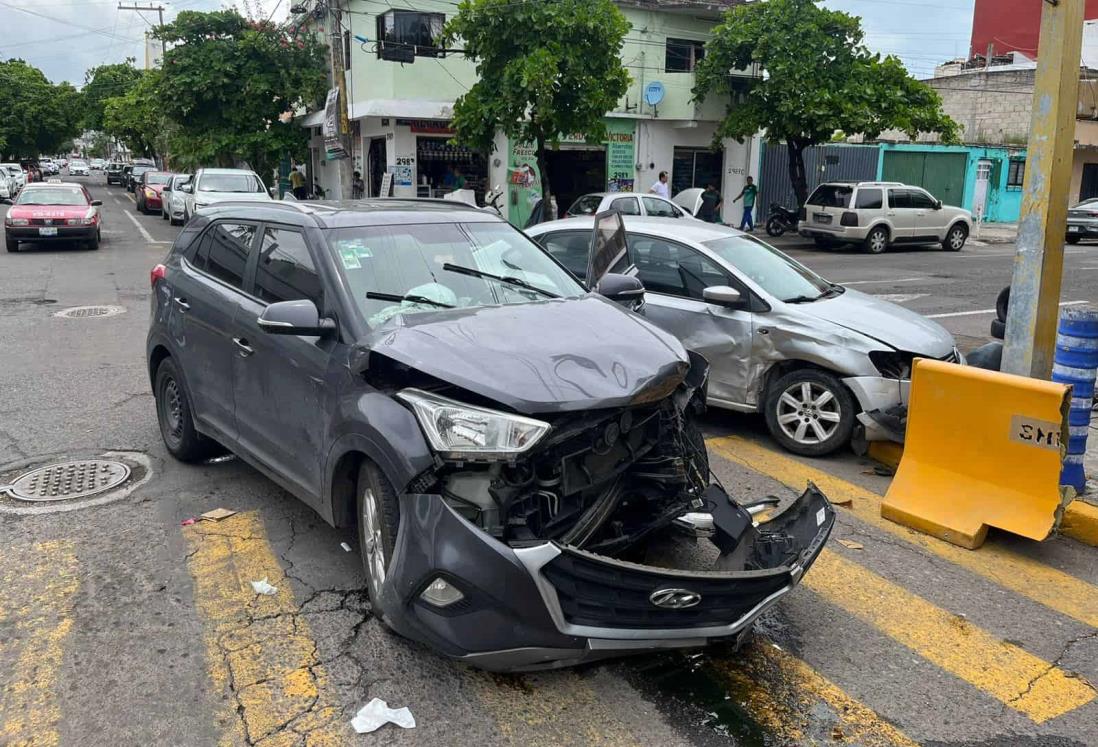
(443, 168)
(376, 165)
(574, 172)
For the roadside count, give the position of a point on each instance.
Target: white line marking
(990, 311)
(144, 234)
(870, 282)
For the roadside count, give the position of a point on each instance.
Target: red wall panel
(1011, 25)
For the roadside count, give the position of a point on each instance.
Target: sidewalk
(996, 233)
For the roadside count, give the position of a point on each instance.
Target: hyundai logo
(675, 599)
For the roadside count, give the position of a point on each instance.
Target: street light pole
(1039, 262)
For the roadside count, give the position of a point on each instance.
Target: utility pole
(1039, 262)
(159, 9)
(339, 79)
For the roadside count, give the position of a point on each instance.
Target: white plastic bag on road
(377, 713)
(264, 588)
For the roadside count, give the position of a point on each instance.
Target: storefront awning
(409, 108)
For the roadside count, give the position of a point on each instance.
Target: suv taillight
(158, 273)
(849, 219)
(803, 214)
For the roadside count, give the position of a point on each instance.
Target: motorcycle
(781, 219)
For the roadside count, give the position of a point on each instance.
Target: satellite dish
(653, 93)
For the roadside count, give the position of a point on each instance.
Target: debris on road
(264, 588)
(187, 522)
(345, 546)
(851, 544)
(218, 514)
(377, 713)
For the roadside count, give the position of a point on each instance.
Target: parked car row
(179, 197)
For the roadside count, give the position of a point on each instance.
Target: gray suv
(499, 435)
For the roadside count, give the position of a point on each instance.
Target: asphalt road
(119, 626)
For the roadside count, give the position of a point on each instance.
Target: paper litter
(377, 713)
(262, 587)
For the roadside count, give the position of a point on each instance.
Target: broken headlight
(460, 431)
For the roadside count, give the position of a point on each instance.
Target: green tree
(225, 81)
(545, 68)
(106, 82)
(818, 78)
(136, 118)
(38, 116)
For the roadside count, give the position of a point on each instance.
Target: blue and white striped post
(1076, 363)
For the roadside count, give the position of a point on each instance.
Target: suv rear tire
(378, 521)
(956, 237)
(173, 413)
(813, 404)
(876, 241)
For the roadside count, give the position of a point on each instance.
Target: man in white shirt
(660, 188)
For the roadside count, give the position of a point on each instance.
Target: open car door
(608, 246)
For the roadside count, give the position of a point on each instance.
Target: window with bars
(1016, 174)
(409, 33)
(683, 55)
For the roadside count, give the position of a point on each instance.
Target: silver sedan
(822, 362)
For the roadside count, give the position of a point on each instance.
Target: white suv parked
(879, 214)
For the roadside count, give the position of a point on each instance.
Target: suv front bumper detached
(547, 605)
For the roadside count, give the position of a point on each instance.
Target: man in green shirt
(748, 193)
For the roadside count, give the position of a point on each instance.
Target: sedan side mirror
(624, 289)
(295, 318)
(96, 203)
(722, 295)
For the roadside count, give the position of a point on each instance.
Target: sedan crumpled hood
(884, 321)
(549, 356)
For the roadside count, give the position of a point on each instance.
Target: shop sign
(427, 126)
(333, 145)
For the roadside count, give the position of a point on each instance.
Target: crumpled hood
(885, 321)
(549, 356)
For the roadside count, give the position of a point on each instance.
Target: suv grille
(609, 594)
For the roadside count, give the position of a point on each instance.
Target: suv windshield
(229, 183)
(407, 262)
(771, 270)
(832, 195)
(52, 196)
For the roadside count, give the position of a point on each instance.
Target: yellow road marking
(260, 652)
(781, 693)
(1032, 579)
(1009, 674)
(38, 584)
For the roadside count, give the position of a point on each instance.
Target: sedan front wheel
(810, 412)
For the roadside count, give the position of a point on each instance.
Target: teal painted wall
(1004, 204)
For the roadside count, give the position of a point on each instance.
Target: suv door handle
(243, 348)
(182, 304)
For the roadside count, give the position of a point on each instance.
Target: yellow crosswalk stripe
(1030, 578)
(37, 584)
(1081, 523)
(782, 694)
(260, 652)
(1003, 670)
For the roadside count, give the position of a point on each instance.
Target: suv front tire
(956, 237)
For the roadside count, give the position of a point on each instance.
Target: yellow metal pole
(1039, 262)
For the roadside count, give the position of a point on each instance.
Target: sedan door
(674, 276)
(282, 401)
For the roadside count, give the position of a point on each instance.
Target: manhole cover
(86, 312)
(69, 480)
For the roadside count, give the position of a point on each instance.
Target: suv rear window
(832, 195)
(869, 199)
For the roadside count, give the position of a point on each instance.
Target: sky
(76, 35)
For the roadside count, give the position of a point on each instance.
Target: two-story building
(401, 91)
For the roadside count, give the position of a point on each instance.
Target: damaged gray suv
(508, 442)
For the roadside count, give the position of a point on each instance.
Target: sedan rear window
(73, 196)
(831, 195)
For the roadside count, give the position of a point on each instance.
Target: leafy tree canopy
(545, 69)
(135, 117)
(817, 77)
(106, 82)
(38, 116)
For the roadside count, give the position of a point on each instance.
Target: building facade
(1004, 26)
(401, 91)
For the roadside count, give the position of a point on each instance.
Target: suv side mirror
(722, 295)
(295, 318)
(937, 204)
(626, 290)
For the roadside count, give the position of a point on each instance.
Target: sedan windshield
(428, 267)
(157, 178)
(229, 183)
(771, 270)
(52, 196)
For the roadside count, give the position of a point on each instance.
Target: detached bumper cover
(550, 606)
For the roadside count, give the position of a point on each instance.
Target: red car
(53, 212)
(147, 191)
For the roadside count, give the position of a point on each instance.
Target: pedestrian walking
(660, 187)
(748, 193)
(711, 202)
(297, 183)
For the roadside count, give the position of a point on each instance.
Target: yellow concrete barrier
(983, 449)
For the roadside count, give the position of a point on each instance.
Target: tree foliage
(818, 78)
(546, 69)
(136, 118)
(36, 116)
(225, 81)
(102, 83)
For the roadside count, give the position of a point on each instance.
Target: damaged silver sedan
(509, 444)
(823, 363)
